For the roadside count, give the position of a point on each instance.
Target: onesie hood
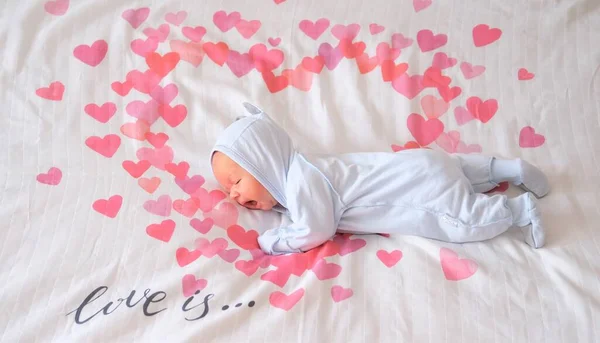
(260, 146)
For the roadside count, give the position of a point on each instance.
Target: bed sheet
(114, 230)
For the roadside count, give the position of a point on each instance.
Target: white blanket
(109, 109)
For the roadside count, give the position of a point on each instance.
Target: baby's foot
(532, 179)
(534, 231)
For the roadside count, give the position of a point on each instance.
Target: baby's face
(241, 185)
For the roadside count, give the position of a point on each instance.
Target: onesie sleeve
(312, 208)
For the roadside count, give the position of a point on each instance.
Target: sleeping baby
(419, 192)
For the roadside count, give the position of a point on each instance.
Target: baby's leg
(483, 217)
(485, 173)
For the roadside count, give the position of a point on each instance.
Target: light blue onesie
(418, 192)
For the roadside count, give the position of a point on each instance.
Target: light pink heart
(247, 28)
(210, 249)
(190, 184)
(164, 95)
(225, 215)
(428, 41)
(448, 141)
(331, 55)
(135, 17)
(143, 47)
(434, 107)
(229, 255)
(226, 22)
(463, 148)
(339, 293)
(442, 61)
(157, 157)
(163, 231)
(529, 139)
(147, 111)
(202, 226)
(347, 245)
(208, 200)
(326, 271)
(58, 7)
(420, 5)
(400, 42)
(274, 41)
(343, 32)
(470, 71)
(194, 34)
(93, 54)
(160, 207)
(316, 29)
(454, 268)
(240, 64)
(386, 53)
(409, 86)
(284, 301)
(462, 115)
(389, 259)
(160, 34)
(176, 18)
(375, 28)
(52, 177)
(191, 285)
(188, 51)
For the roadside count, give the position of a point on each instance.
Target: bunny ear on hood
(260, 146)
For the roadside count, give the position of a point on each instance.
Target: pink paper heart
(428, 41)
(400, 42)
(54, 91)
(58, 7)
(176, 18)
(409, 86)
(274, 41)
(224, 216)
(442, 61)
(240, 64)
(207, 201)
(202, 226)
(339, 293)
(159, 34)
(163, 231)
(347, 245)
(470, 71)
(343, 32)
(160, 207)
(433, 107)
(420, 5)
(109, 207)
(389, 259)
(52, 177)
(194, 34)
(93, 54)
(157, 157)
(210, 249)
(332, 56)
(229, 255)
(143, 47)
(386, 53)
(316, 29)
(454, 268)
(226, 22)
(375, 28)
(284, 301)
(462, 115)
(247, 28)
(101, 113)
(325, 271)
(190, 184)
(135, 17)
(191, 285)
(277, 277)
(164, 95)
(529, 139)
(147, 111)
